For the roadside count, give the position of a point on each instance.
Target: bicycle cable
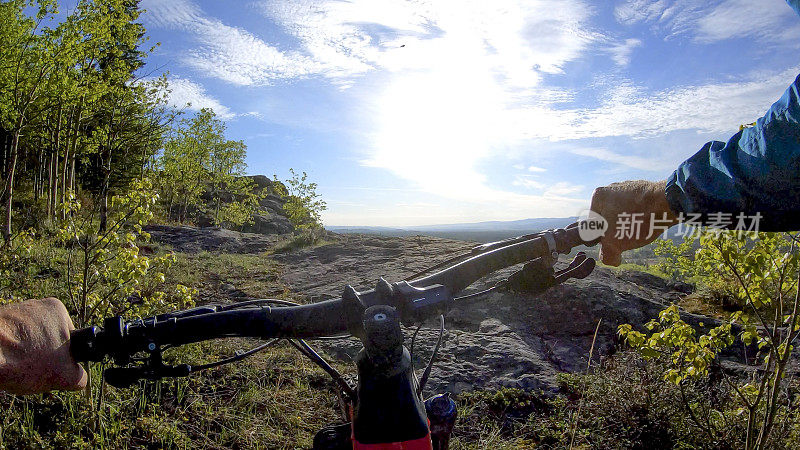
(425, 375)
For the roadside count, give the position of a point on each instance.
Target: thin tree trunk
(37, 173)
(103, 211)
(54, 186)
(106, 165)
(64, 184)
(74, 151)
(68, 136)
(10, 172)
(42, 169)
(57, 148)
(50, 186)
(72, 172)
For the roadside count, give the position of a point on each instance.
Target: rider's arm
(756, 171)
(795, 4)
(34, 348)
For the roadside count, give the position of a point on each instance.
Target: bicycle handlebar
(416, 300)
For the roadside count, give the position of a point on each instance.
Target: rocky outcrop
(188, 239)
(505, 340)
(266, 223)
(269, 218)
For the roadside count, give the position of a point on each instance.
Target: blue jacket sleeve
(795, 4)
(756, 171)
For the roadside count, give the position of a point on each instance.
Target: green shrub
(302, 239)
(303, 204)
(762, 272)
(106, 274)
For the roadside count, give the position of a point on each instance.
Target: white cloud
(559, 189)
(228, 53)
(670, 16)
(632, 161)
(173, 13)
(715, 108)
(562, 188)
(238, 57)
(629, 110)
(536, 169)
(527, 182)
(767, 20)
(621, 52)
(185, 91)
(517, 39)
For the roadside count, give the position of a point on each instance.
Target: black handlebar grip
(84, 345)
(574, 237)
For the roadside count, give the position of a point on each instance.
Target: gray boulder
(273, 203)
(269, 224)
(188, 239)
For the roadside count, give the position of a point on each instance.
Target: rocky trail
(186, 239)
(508, 339)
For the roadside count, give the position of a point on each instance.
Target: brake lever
(579, 268)
(125, 377)
(538, 275)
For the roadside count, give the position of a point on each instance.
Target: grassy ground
(254, 275)
(273, 400)
(277, 399)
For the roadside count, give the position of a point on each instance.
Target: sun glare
(435, 126)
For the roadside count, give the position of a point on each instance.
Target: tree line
(78, 117)
(73, 114)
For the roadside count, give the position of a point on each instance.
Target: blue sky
(421, 112)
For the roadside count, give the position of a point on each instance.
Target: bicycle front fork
(389, 413)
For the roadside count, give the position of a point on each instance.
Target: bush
(303, 204)
(302, 239)
(96, 273)
(761, 272)
(105, 272)
(18, 266)
(623, 404)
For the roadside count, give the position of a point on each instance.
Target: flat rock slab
(503, 340)
(506, 339)
(361, 260)
(188, 239)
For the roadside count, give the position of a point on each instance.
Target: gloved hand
(617, 202)
(34, 348)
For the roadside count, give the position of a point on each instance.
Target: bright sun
(435, 126)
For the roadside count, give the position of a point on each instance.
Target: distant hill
(478, 231)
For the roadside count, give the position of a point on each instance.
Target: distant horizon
(407, 227)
